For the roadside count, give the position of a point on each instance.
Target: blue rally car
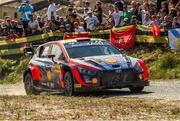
(82, 64)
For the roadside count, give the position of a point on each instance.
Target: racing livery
(82, 64)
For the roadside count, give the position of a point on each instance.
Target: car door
(58, 62)
(45, 65)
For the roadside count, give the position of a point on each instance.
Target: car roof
(66, 41)
(79, 40)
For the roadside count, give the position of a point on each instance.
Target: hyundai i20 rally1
(82, 64)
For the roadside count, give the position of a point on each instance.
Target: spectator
(69, 29)
(172, 13)
(86, 8)
(98, 12)
(152, 8)
(178, 6)
(125, 22)
(78, 28)
(164, 6)
(117, 16)
(91, 21)
(51, 10)
(20, 29)
(33, 26)
(71, 17)
(175, 23)
(126, 13)
(178, 15)
(166, 24)
(145, 11)
(62, 22)
(119, 4)
(7, 24)
(154, 21)
(26, 9)
(147, 20)
(41, 23)
(62, 29)
(111, 9)
(134, 20)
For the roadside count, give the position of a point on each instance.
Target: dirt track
(169, 90)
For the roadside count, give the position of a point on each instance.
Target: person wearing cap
(69, 28)
(62, 29)
(98, 12)
(91, 21)
(175, 23)
(51, 12)
(127, 13)
(78, 28)
(125, 22)
(134, 20)
(26, 9)
(117, 16)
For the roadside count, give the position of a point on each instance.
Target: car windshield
(92, 50)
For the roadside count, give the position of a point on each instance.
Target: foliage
(11, 70)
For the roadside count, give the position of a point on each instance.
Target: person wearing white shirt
(51, 10)
(78, 28)
(33, 25)
(116, 15)
(91, 21)
(147, 20)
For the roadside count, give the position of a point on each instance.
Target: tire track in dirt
(165, 89)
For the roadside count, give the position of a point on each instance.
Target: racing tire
(29, 85)
(68, 84)
(136, 89)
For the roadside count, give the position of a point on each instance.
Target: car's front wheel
(29, 85)
(68, 84)
(136, 89)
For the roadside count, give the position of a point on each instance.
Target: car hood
(107, 62)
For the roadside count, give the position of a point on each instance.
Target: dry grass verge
(57, 107)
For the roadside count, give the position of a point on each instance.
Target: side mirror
(28, 51)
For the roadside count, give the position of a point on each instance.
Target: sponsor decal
(49, 75)
(77, 85)
(111, 60)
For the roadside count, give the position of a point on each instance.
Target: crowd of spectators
(120, 13)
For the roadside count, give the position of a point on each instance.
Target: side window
(44, 51)
(56, 50)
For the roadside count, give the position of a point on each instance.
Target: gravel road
(168, 90)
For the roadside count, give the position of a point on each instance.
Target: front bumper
(121, 85)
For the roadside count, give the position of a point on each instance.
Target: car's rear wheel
(68, 84)
(29, 85)
(136, 89)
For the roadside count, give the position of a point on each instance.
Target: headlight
(87, 72)
(137, 66)
(88, 75)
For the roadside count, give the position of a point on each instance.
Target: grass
(57, 107)
(11, 70)
(161, 63)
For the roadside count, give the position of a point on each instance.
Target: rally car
(82, 64)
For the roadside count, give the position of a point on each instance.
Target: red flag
(124, 39)
(74, 35)
(156, 30)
